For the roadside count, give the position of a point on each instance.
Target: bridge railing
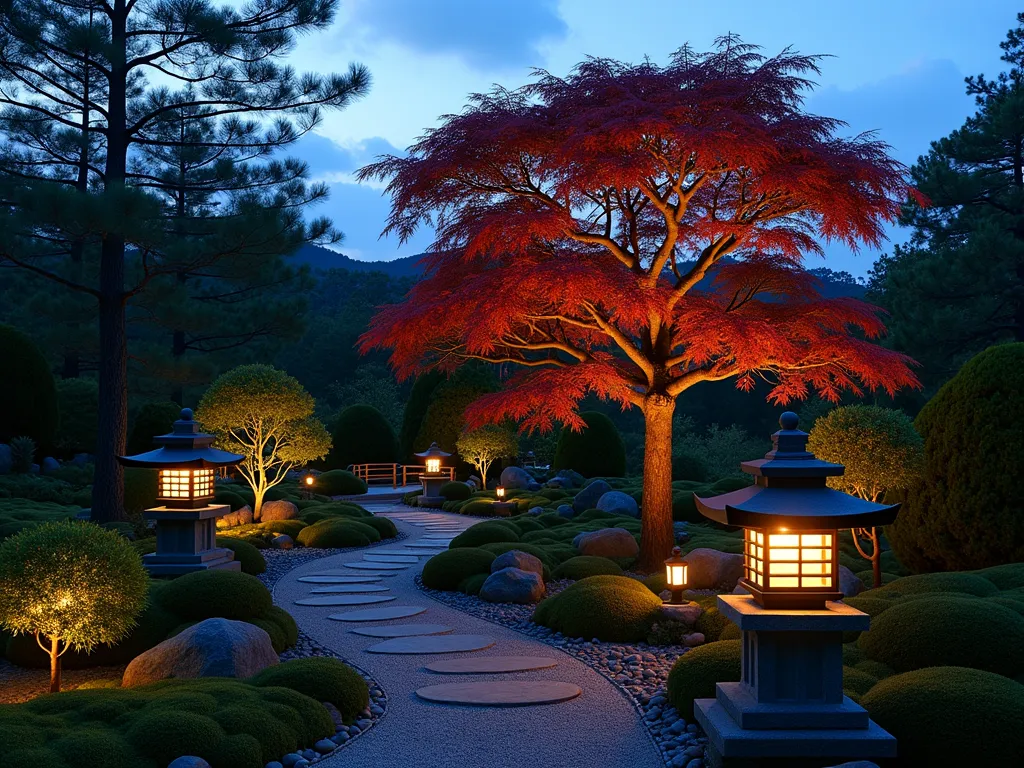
(393, 474)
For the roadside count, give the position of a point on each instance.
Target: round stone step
(345, 600)
(402, 630)
(380, 614)
(382, 557)
(434, 644)
(342, 573)
(347, 589)
(366, 566)
(483, 665)
(339, 579)
(501, 693)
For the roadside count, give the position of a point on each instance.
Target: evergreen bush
(152, 419)
(447, 570)
(611, 608)
(596, 451)
(339, 482)
(361, 435)
(27, 391)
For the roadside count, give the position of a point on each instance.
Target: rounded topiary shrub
(447, 570)
(456, 491)
(339, 482)
(206, 594)
(230, 498)
(322, 679)
(385, 527)
(595, 451)
(928, 583)
(965, 511)
(584, 566)
(180, 733)
(252, 559)
(337, 533)
(152, 419)
(613, 608)
(471, 584)
(361, 435)
(485, 533)
(948, 717)
(27, 391)
(696, 672)
(916, 633)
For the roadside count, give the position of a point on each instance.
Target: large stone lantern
(432, 479)
(790, 702)
(186, 530)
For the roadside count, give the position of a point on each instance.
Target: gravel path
(600, 728)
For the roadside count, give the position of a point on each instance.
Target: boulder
(535, 511)
(81, 459)
(564, 510)
(618, 503)
(472, 485)
(555, 482)
(608, 542)
(49, 464)
(849, 582)
(515, 479)
(512, 585)
(475, 481)
(687, 613)
(211, 648)
(587, 498)
(693, 639)
(189, 761)
(278, 510)
(533, 485)
(5, 459)
(241, 516)
(570, 478)
(516, 559)
(282, 541)
(711, 569)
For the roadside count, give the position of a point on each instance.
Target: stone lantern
(676, 575)
(432, 479)
(790, 702)
(186, 520)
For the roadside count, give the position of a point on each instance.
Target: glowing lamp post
(186, 530)
(432, 479)
(501, 507)
(307, 485)
(790, 702)
(499, 493)
(676, 575)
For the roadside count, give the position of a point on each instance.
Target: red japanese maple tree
(583, 225)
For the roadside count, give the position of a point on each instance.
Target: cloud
(486, 34)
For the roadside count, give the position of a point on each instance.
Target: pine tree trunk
(657, 538)
(876, 560)
(54, 666)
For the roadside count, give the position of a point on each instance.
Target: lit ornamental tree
(882, 452)
(267, 416)
(633, 230)
(482, 446)
(71, 585)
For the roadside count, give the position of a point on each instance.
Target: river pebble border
(640, 670)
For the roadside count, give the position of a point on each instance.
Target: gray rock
(857, 764)
(282, 541)
(512, 585)
(5, 459)
(555, 482)
(711, 569)
(570, 478)
(211, 648)
(618, 503)
(535, 511)
(189, 761)
(688, 613)
(278, 510)
(241, 516)
(34, 469)
(693, 639)
(324, 746)
(587, 498)
(515, 479)
(608, 542)
(517, 559)
(291, 759)
(564, 510)
(533, 485)
(81, 459)
(475, 481)
(849, 583)
(49, 464)
(273, 764)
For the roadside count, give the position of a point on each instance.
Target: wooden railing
(380, 474)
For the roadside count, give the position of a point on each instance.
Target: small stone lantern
(186, 530)
(676, 575)
(790, 702)
(432, 479)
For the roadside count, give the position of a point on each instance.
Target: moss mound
(485, 533)
(696, 672)
(471, 584)
(584, 566)
(595, 451)
(447, 570)
(338, 533)
(456, 491)
(339, 482)
(950, 716)
(614, 608)
(925, 583)
(385, 527)
(322, 679)
(207, 594)
(914, 634)
(251, 558)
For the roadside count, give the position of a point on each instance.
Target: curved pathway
(601, 727)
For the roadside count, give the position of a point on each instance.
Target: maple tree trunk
(657, 537)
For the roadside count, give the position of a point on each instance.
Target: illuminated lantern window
(676, 575)
(185, 486)
(792, 521)
(432, 458)
(499, 492)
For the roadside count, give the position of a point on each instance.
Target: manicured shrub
(274, 738)
(456, 491)
(339, 482)
(322, 679)
(152, 419)
(447, 570)
(78, 404)
(216, 593)
(541, 553)
(285, 622)
(613, 608)
(361, 435)
(415, 409)
(596, 451)
(712, 623)
(471, 584)
(478, 508)
(385, 527)
(251, 559)
(583, 566)
(180, 733)
(226, 496)
(926, 583)
(857, 682)
(288, 527)
(337, 533)
(965, 512)
(140, 487)
(1009, 576)
(27, 391)
(696, 672)
(915, 633)
(445, 416)
(485, 533)
(950, 716)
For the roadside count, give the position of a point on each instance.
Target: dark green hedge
(27, 392)
(361, 435)
(596, 451)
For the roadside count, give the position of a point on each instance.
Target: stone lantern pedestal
(790, 703)
(186, 541)
(431, 496)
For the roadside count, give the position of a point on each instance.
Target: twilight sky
(898, 68)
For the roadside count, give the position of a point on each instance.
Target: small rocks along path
(588, 722)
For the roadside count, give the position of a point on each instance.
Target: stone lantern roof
(185, 447)
(433, 452)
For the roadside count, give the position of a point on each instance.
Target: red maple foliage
(583, 225)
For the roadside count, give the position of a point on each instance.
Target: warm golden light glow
(185, 484)
(675, 574)
(790, 561)
(433, 466)
(309, 479)
(499, 492)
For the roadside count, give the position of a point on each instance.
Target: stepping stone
(346, 600)
(352, 589)
(403, 630)
(380, 614)
(501, 693)
(339, 579)
(434, 644)
(338, 573)
(383, 557)
(428, 544)
(483, 665)
(364, 566)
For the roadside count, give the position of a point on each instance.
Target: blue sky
(897, 67)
